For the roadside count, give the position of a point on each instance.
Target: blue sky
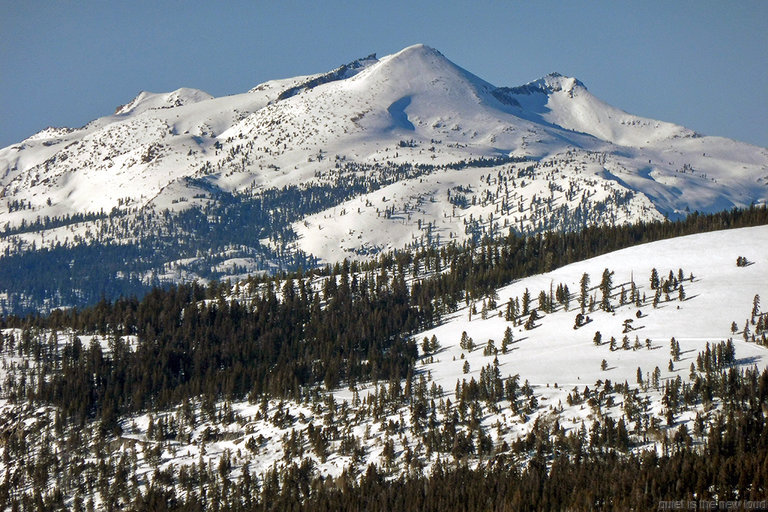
(701, 64)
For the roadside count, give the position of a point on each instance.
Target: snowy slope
(555, 352)
(553, 358)
(566, 102)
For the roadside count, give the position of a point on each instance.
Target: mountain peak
(418, 49)
(557, 82)
(418, 56)
(420, 68)
(150, 100)
(551, 83)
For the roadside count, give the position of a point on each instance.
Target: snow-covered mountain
(378, 154)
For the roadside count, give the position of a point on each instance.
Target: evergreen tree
(606, 284)
(583, 291)
(506, 340)
(434, 345)
(543, 301)
(654, 279)
(755, 307)
(526, 302)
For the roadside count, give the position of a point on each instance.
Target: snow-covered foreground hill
(553, 352)
(407, 150)
(548, 373)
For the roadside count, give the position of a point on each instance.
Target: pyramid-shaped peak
(422, 66)
(419, 56)
(417, 50)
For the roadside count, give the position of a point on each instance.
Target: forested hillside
(352, 386)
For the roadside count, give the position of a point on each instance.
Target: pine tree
(755, 307)
(531, 322)
(657, 298)
(674, 349)
(434, 345)
(506, 340)
(584, 290)
(654, 279)
(543, 301)
(511, 311)
(464, 342)
(598, 338)
(526, 302)
(606, 284)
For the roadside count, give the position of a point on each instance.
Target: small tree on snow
(755, 307)
(606, 284)
(434, 345)
(654, 279)
(507, 340)
(584, 288)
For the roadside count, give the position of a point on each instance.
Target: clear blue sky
(702, 64)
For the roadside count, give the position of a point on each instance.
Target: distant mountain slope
(405, 150)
